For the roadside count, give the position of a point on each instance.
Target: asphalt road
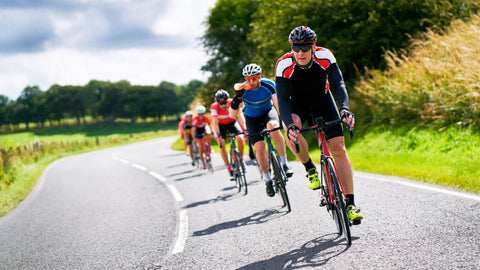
(143, 206)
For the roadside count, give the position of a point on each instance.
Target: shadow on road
(257, 218)
(223, 198)
(313, 254)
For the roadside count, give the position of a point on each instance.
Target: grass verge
(447, 157)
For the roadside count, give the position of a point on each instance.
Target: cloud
(40, 25)
(46, 42)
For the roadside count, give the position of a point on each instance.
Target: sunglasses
(303, 48)
(254, 77)
(222, 102)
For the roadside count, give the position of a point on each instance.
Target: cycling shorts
(258, 124)
(201, 132)
(233, 128)
(326, 109)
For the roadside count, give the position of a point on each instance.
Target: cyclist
(201, 127)
(222, 122)
(180, 131)
(304, 78)
(187, 133)
(257, 94)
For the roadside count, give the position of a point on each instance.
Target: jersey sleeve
(284, 88)
(337, 85)
(213, 110)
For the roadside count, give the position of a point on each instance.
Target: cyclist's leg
(344, 167)
(303, 154)
(223, 150)
(240, 142)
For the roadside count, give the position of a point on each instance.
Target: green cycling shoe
(354, 214)
(313, 181)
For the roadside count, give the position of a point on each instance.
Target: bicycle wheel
(341, 209)
(328, 201)
(241, 172)
(196, 155)
(280, 177)
(234, 167)
(208, 158)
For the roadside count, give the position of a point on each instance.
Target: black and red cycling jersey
(306, 88)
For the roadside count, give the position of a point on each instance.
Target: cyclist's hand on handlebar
(348, 117)
(292, 132)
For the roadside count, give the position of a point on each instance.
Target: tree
(28, 105)
(225, 40)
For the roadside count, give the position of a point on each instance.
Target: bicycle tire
(196, 156)
(208, 158)
(233, 165)
(329, 204)
(343, 219)
(241, 172)
(279, 176)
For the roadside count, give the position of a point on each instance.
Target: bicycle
(332, 195)
(207, 150)
(279, 176)
(237, 164)
(196, 155)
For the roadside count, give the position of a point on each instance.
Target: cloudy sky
(46, 42)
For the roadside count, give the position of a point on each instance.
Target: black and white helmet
(251, 70)
(200, 109)
(301, 35)
(221, 95)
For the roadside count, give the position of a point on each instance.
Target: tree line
(104, 101)
(358, 32)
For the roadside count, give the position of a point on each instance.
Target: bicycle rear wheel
(341, 209)
(240, 171)
(280, 179)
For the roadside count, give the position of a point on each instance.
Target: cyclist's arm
(337, 85)
(275, 102)
(241, 119)
(215, 126)
(283, 99)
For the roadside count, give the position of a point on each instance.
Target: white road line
(136, 166)
(183, 215)
(178, 197)
(158, 176)
(425, 187)
(182, 233)
(122, 160)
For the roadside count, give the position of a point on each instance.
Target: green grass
(28, 170)
(448, 157)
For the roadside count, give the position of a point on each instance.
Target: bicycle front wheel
(341, 208)
(280, 180)
(240, 171)
(208, 157)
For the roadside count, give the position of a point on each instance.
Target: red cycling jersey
(222, 115)
(196, 122)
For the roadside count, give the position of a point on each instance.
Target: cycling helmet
(188, 113)
(251, 69)
(221, 95)
(200, 109)
(302, 34)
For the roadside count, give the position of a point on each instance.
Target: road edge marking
(423, 186)
(182, 232)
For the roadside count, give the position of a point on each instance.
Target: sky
(70, 42)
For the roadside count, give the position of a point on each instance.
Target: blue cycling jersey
(258, 102)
